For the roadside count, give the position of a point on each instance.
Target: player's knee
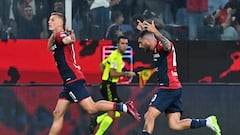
(57, 114)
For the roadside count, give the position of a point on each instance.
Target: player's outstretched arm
(114, 73)
(69, 39)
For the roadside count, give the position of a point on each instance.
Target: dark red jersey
(166, 64)
(65, 59)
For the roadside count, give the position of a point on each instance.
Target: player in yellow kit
(111, 69)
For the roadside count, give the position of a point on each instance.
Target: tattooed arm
(165, 42)
(151, 28)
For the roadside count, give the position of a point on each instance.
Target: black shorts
(168, 101)
(109, 91)
(75, 92)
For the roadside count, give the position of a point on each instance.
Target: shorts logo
(73, 96)
(68, 79)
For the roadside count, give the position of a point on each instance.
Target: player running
(61, 43)
(111, 69)
(168, 98)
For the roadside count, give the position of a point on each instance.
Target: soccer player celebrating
(61, 43)
(168, 98)
(111, 69)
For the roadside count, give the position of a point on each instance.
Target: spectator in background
(196, 10)
(58, 6)
(236, 18)
(129, 30)
(230, 33)
(5, 31)
(168, 12)
(42, 11)
(237, 14)
(81, 18)
(114, 30)
(156, 6)
(28, 24)
(180, 12)
(100, 10)
(211, 31)
(7, 8)
(122, 6)
(214, 5)
(1, 8)
(236, 25)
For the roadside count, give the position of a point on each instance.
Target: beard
(148, 49)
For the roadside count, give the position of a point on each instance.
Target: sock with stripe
(198, 123)
(120, 107)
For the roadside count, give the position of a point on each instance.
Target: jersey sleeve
(160, 48)
(104, 62)
(60, 36)
(113, 62)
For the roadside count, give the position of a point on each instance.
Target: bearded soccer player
(111, 69)
(168, 98)
(61, 43)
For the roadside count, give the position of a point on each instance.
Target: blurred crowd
(108, 19)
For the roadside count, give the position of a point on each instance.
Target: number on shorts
(154, 98)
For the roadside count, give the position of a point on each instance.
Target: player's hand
(72, 34)
(150, 26)
(131, 74)
(140, 25)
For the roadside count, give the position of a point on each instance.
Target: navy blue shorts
(168, 101)
(75, 92)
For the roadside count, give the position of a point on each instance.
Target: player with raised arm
(61, 43)
(111, 69)
(168, 98)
